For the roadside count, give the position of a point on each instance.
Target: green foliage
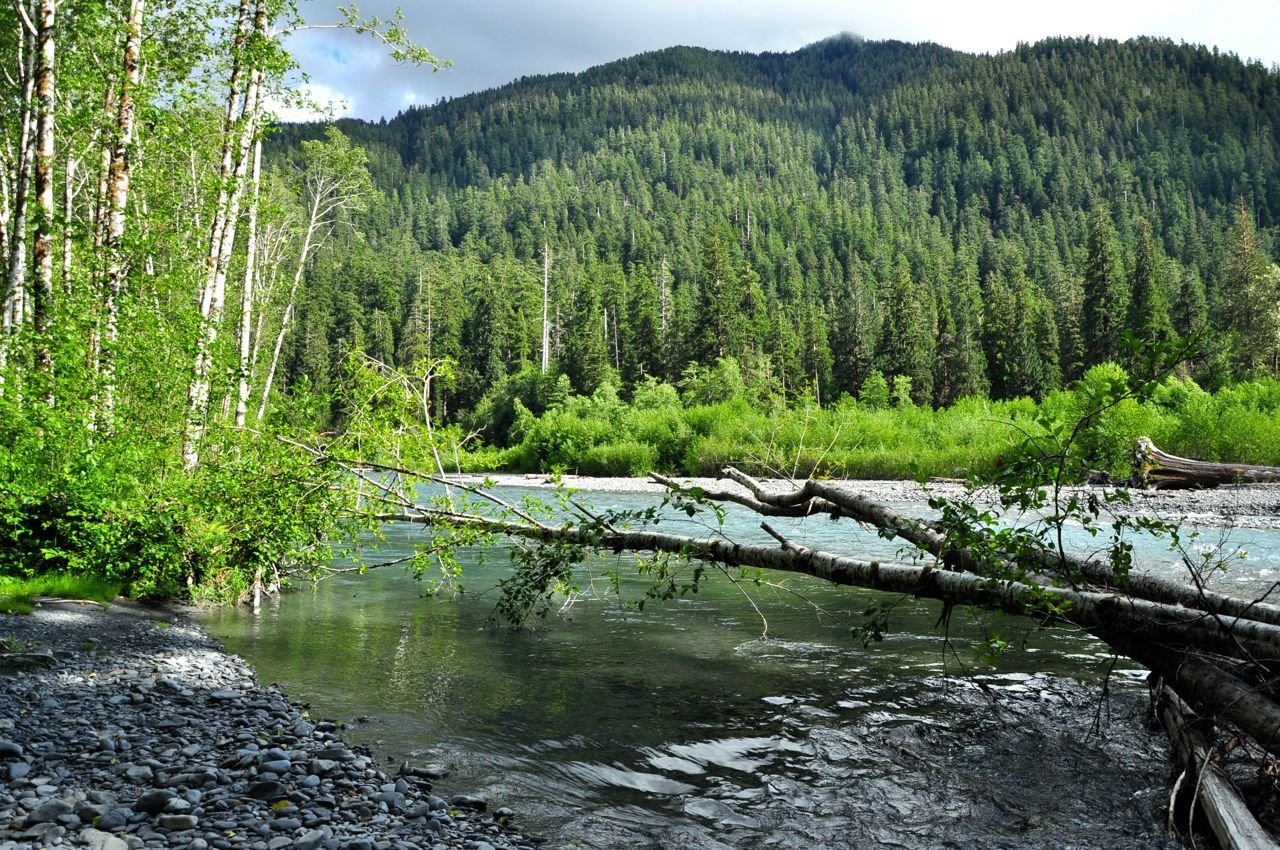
(874, 392)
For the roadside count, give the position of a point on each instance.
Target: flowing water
(707, 723)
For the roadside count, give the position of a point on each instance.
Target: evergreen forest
(852, 221)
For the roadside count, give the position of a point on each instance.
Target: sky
(492, 42)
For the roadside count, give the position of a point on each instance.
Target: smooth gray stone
(113, 820)
(268, 790)
(312, 839)
(48, 812)
(10, 749)
(178, 822)
(469, 801)
(96, 839)
(139, 774)
(153, 802)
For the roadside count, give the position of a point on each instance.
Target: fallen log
(1154, 469)
(1233, 825)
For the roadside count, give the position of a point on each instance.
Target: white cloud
(315, 102)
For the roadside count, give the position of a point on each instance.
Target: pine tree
(907, 343)
(1106, 295)
(854, 333)
(1241, 291)
(1149, 306)
(586, 361)
(722, 329)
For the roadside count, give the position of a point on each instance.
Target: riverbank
(130, 728)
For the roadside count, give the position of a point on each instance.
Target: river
(741, 716)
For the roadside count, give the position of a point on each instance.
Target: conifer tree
(1106, 294)
(907, 343)
(1149, 306)
(1243, 314)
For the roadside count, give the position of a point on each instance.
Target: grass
(18, 595)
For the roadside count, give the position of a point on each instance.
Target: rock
(153, 802)
(48, 812)
(96, 839)
(139, 774)
(112, 820)
(277, 765)
(18, 770)
(313, 838)
(321, 767)
(268, 790)
(469, 801)
(10, 749)
(178, 822)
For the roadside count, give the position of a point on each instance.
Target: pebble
(157, 738)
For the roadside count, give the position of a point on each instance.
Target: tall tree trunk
(117, 199)
(247, 295)
(312, 226)
(42, 245)
(68, 199)
(240, 126)
(110, 109)
(6, 209)
(275, 359)
(15, 301)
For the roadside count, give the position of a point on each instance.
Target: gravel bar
(1232, 506)
(129, 727)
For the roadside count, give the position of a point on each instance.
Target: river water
(735, 717)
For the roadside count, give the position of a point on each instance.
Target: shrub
(626, 459)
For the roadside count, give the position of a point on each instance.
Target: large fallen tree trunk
(1154, 469)
(1220, 654)
(1231, 821)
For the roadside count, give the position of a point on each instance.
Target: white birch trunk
(42, 244)
(117, 198)
(238, 137)
(247, 295)
(307, 241)
(68, 198)
(275, 360)
(16, 272)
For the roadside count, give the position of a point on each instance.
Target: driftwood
(1154, 469)
(1233, 825)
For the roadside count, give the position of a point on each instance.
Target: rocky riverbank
(129, 728)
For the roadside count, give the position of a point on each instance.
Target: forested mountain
(976, 224)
